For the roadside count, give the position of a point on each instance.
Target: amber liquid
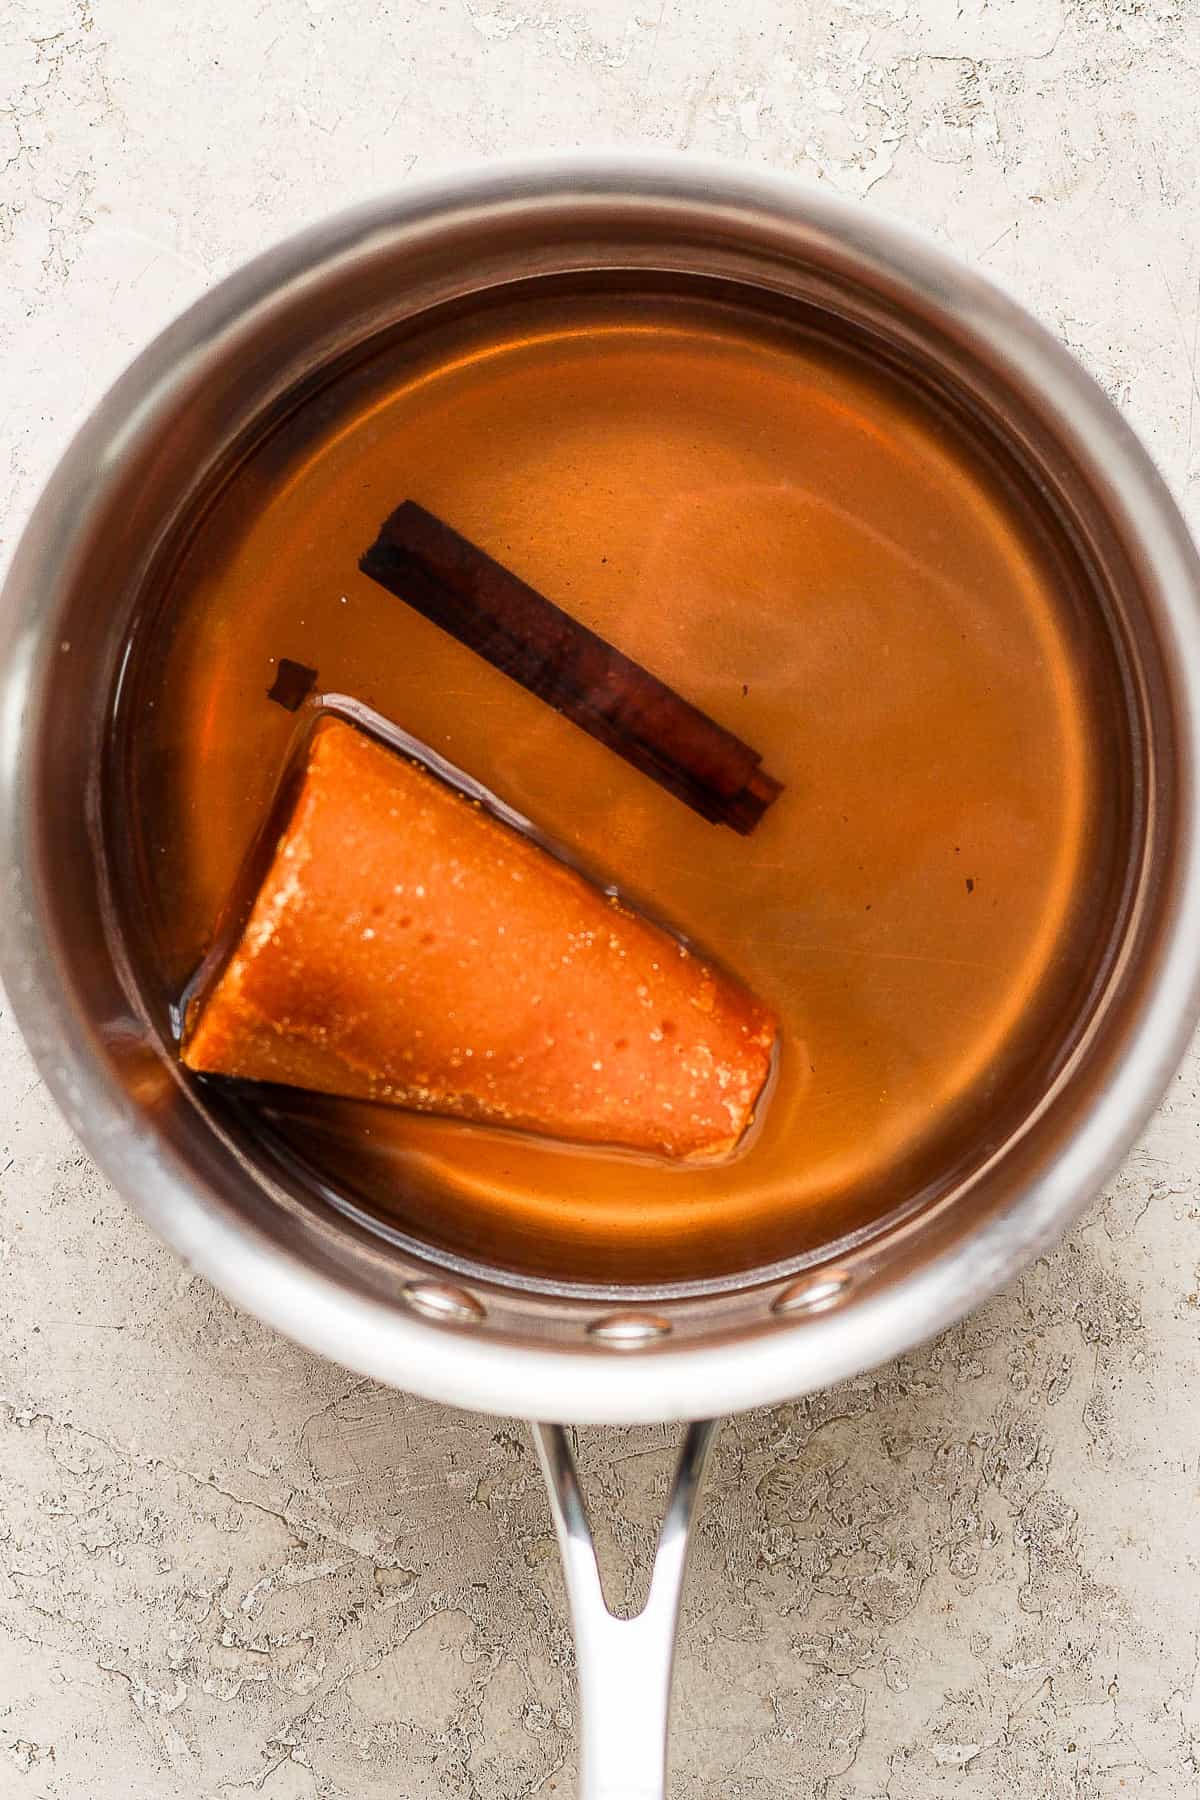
(810, 548)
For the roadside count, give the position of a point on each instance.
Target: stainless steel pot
(114, 507)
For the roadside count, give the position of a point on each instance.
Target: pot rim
(455, 1362)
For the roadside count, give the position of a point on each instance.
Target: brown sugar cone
(406, 946)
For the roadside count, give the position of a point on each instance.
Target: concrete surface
(227, 1569)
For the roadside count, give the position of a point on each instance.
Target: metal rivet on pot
(812, 1293)
(440, 1300)
(629, 1330)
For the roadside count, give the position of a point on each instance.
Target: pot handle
(623, 1665)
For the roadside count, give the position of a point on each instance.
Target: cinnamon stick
(294, 682)
(459, 587)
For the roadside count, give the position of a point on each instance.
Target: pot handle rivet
(442, 1301)
(628, 1330)
(812, 1293)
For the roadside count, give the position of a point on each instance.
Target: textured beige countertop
(227, 1569)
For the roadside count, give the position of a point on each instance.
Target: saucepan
(482, 1337)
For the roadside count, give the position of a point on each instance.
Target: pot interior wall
(256, 429)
